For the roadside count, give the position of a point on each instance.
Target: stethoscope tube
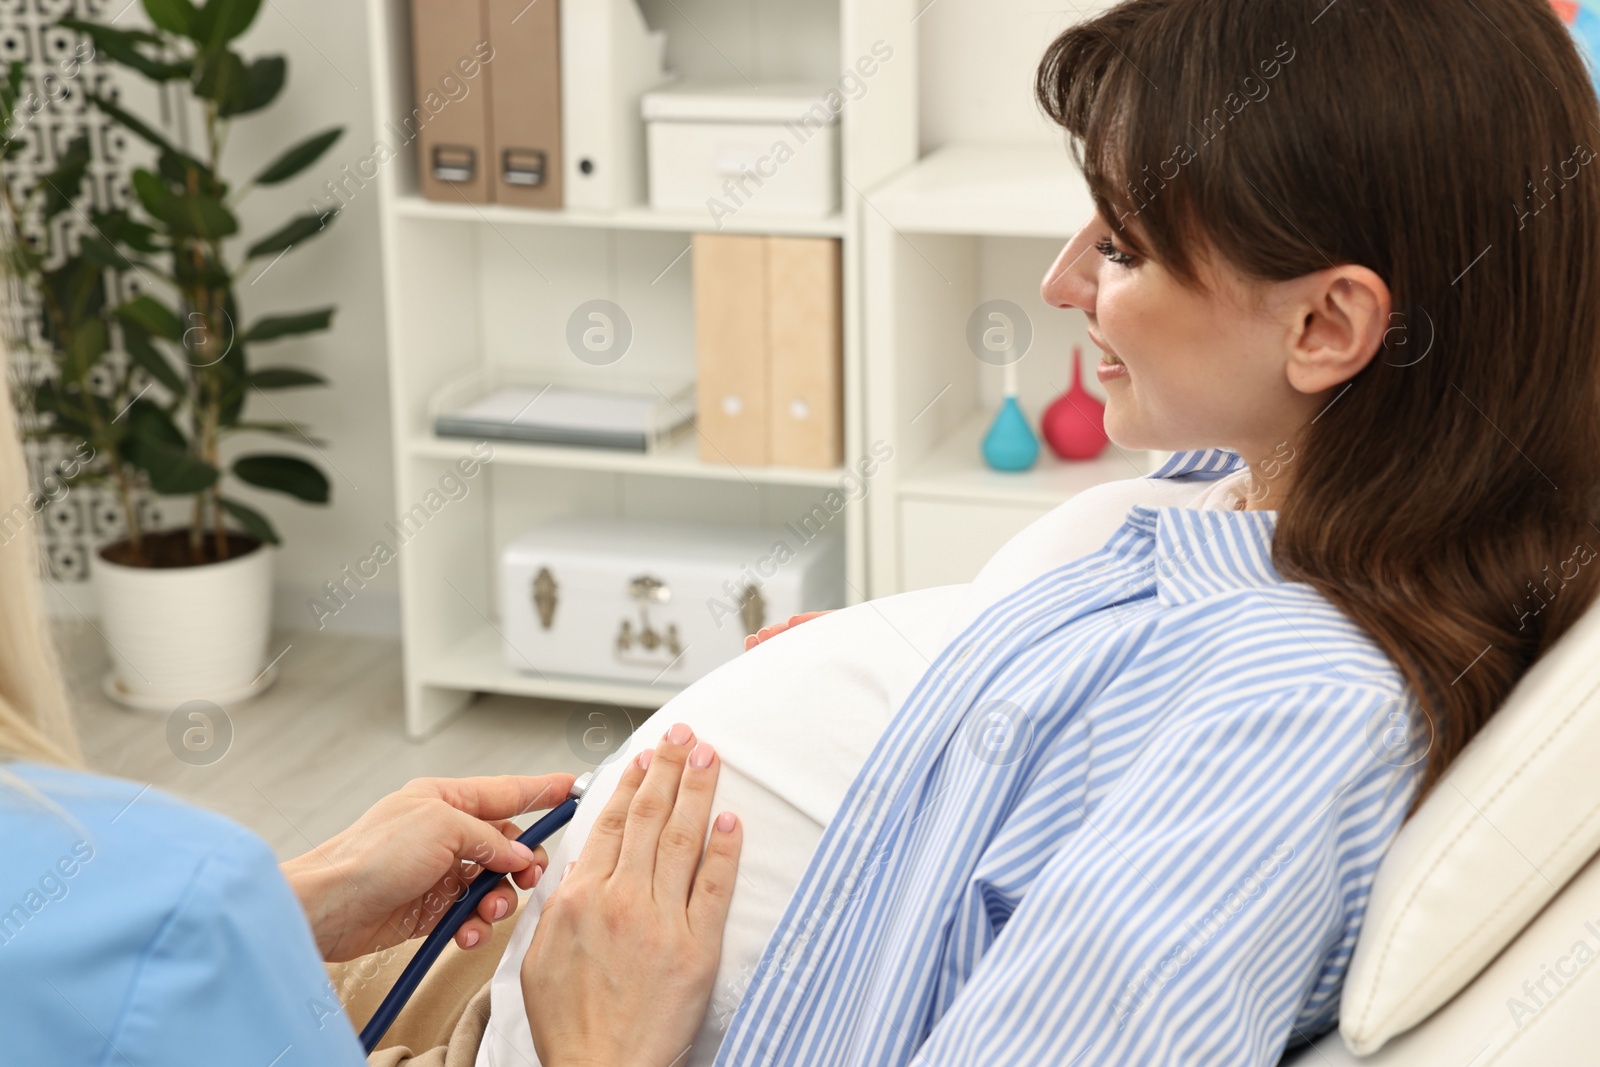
(458, 913)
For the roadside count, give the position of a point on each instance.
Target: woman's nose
(1070, 281)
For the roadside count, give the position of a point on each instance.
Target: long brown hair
(1445, 499)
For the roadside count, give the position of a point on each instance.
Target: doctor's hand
(625, 953)
(394, 872)
(777, 628)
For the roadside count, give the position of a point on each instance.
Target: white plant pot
(177, 634)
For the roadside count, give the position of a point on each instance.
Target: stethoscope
(434, 943)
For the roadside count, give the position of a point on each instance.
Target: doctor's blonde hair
(35, 719)
(1447, 499)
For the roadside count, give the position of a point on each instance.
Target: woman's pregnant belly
(793, 719)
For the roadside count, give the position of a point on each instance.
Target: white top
(1080, 526)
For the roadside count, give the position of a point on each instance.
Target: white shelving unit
(967, 223)
(469, 286)
(640, 218)
(954, 192)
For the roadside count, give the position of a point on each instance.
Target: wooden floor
(313, 752)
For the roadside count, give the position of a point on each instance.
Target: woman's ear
(1339, 320)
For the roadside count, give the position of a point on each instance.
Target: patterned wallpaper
(86, 516)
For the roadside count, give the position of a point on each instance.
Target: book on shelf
(627, 418)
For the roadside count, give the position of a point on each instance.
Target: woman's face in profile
(1197, 369)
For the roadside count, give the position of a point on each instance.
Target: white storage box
(771, 150)
(656, 602)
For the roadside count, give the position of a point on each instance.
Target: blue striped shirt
(1130, 815)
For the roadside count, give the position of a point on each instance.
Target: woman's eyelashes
(1113, 253)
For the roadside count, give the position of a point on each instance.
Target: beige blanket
(443, 1024)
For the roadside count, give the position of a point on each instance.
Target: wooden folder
(805, 353)
(769, 350)
(525, 101)
(730, 328)
(451, 125)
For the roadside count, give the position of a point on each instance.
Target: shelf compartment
(635, 218)
(999, 190)
(680, 459)
(955, 471)
(477, 664)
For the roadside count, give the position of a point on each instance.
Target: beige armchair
(1481, 945)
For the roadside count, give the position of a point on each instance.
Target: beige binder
(805, 353)
(452, 126)
(730, 327)
(525, 104)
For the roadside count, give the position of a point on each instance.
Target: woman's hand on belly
(621, 966)
(777, 628)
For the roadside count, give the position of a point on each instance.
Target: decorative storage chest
(656, 602)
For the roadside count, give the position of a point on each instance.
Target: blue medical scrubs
(138, 930)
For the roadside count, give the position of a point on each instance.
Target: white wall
(975, 83)
(328, 85)
(977, 61)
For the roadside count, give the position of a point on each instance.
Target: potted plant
(185, 612)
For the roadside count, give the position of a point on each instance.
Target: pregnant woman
(1345, 264)
(1120, 801)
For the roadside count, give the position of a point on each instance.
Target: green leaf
(66, 420)
(41, 398)
(149, 359)
(62, 425)
(172, 471)
(11, 90)
(255, 524)
(220, 21)
(186, 174)
(88, 345)
(202, 217)
(300, 228)
(174, 16)
(263, 81)
(299, 157)
(63, 185)
(99, 31)
(102, 253)
(150, 422)
(223, 79)
(133, 124)
(284, 474)
(285, 378)
(272, 327)
(153, 317)
(117, 226)
(58, 399)
(156, 446)
(232, 370)
(76, 289)
(123, 46)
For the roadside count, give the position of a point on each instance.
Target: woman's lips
(1110, 366)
